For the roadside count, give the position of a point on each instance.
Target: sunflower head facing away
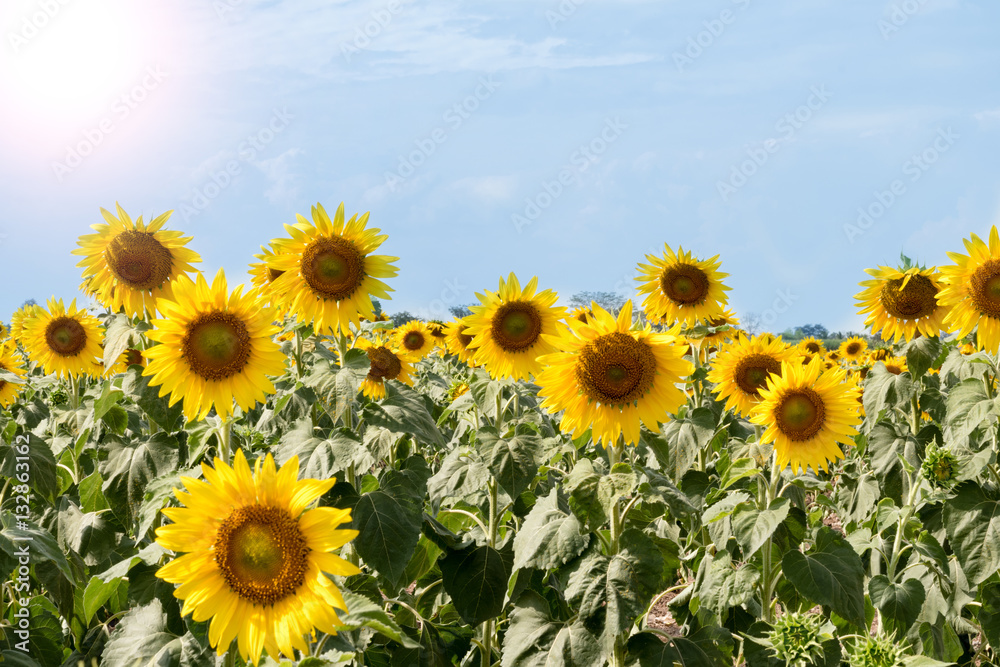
(682, 288)
(130, 265)
(255, 556)
(741, 370)
(513, 327)
(853, 349)
(458, 340)
(328, 274)
(64, 341)
(972, 291)
(414, 339)
(11, 361)
(388, 362)
(806, 412)
(214, 347)
(902, 302)
(611, 379)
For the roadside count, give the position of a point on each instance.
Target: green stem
(697, 383)
(298, 354)
(614, 456)
(904, 518)
(226, 440)
(767, 576)
(348, 415)
(74, 391)
(915, 414)
(230, 658)
(491, 537)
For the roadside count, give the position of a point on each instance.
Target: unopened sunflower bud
(797, 639)
(875, 652)
(940, 467)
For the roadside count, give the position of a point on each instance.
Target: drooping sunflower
(727, 322)
(64, 341)
(329, 275)
(215, 346)
(682, 288)
(414, 339)
(806, 412)
(458, 341)
(880, 353)
(611, 378)
(812, 346)
(901, 302)
(853, 349)
(972, 291)
(895, 365)
(11, 361)
(131, 265)
(387, 363)
(256, 558)
(741, 370)
(513, 327)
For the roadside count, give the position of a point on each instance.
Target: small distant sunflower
(880, 354)
(902, 302)
(12, 362)
(387, 363)
(513, 327)
(19, 318)
(64, 341)
(741, 370)
(215, 346)
(967, 348)
(130, 357)
(728, 319)
(257, 557)
(611, 378)
(329, 275)
(581, 313)
(853, 349)
(4, 331)
(895, 365)
(131, 265)
(682, 288)
(812, 346)
(414, 339)
(972, 291)
(262, 275)
(806, 412)
(458, 341)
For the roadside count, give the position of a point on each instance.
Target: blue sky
(558, 139)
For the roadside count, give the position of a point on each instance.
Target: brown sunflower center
(852, 348)
(217, 345)
(463, 338)
(413, 340)
(437, 331)
(684, 284)
(985, 288)
(261, 553)
(333, 268)
(912, 302)
(616, 369)
(516, 326)
(138, 259)
(812, 347)
(893, 367)
(133, 357)
(65, 336)
(385, 364)
(751, 372)
(801, 414)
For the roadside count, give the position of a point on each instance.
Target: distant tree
(814, 330)
(29, 302)
(377, 307)
(458, 312)
(401, 318)
(751, 323)
(609, 301)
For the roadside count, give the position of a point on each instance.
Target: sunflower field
(204, 474)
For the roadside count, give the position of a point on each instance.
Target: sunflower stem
(915, 414)
(230, 658)
(225, 440)
(767, 582)
(904, 518)
(491, 537)
(298, 354)
(617, 658)
(348, 416)
(74, 392)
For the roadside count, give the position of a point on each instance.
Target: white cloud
(278, 171)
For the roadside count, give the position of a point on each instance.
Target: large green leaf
(404, 411)
(921, 354)
(550, 535)
(513, 459)
(119, 336)
(968, 408)
(535, 639)
(753, 527)
(131, 466)
(972, 521)
(476, 579)
(720, 585)
(462, 476)
(388, 521)
(708, 647)
(684, 438)
(363, 613)
(336, 386)
(158, 410)
(142, 639)
(899, 603)
(886, 390)
(39, 469)
(831, 574)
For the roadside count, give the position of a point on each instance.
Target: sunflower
(214, 347)
(581, 313)
(728, 320)
(262, 275)
(682, 288)
(387, 363)
(414, 339)
(967, 348)
(131, 265)
(972, 291)
(62, 340)
(329, 275)
(895, 365)
(11, 361)
(812, 346)
(130, 357)
(741, 370)
(853, 349)
(458, 341)
(611, 379)
(902, 302)
(806, 411)
(255, 556)
(4, 331)
(880, 354)
(513, 327)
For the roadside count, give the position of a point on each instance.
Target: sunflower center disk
(385, 364)
(684, 284)
(139, 260)
(752, 371)
(912, 302)
(65, 336)
(413, 340)
(464, 338)
(985, 290)
(616, 369)
(333, 268)
(261, 553)
(812, 348)
(217, 345)
(516, 326)
(853, 348)
(801, 415)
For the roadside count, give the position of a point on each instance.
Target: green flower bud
(797, 639)
(940, 467)
(875, 652)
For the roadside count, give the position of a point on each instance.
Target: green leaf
(737, 470)
(17, 534)
(899, 603)
(335, 386)
(719, 585)
(476, 579)
(462, 476)
(109, 398)
(686, 437)
(535, 639)
(582, 484)
(940, 642)
(967, 408)
(388, 521)
(972, 522)
(322, 459)
(513, 460)
(886, 390)
(41, 472)
(703, 648)
(129, 468)
(96, 594)
(831, 574)
(363, 613)
(119, 336)
(141, 639)
(921, 354)
(989, 614)
(136, 386)
(404, 411)
(752, 527)
(549, 537)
